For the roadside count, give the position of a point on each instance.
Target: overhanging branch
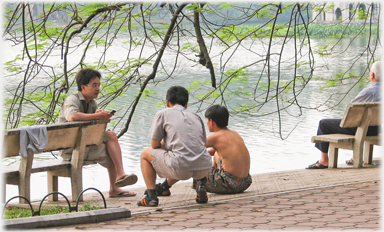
(204, 56)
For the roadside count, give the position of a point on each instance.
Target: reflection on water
(269, 153)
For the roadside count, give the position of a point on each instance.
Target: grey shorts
(220, 181)
(98, 154)
(163, 170)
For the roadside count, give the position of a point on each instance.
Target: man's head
(84, 76)
(88, 82)
(219, 114)
(375, 71)
(177, 95)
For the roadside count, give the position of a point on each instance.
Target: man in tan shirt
(81, 106)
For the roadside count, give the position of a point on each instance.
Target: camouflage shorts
(220, 181)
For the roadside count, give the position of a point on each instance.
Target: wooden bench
(360, 115)
(76, 135)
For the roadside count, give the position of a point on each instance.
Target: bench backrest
(357, 112)
(60, 136)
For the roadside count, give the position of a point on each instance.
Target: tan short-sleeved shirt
(76, 103)
(184, 137)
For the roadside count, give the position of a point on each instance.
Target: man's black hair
(219, 114)
(84, 76)
(177, 95)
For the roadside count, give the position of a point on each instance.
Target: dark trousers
(332, 126)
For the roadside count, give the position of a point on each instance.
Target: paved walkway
(337, 199)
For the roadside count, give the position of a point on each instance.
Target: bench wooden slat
(373, 139)
(54, 126)
(355, 111)
(42, 166)
(60, 136)
(13, 170)
(333, 138)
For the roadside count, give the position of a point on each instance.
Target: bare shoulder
(235, 134)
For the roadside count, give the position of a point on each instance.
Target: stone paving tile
(330, 217)
(295, 201)
(184, 195)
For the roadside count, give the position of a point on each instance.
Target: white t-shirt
(369, 94)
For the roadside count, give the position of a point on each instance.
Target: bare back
(231, 148)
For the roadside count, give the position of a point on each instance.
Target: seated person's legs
(107, 159)
(147, 169)
(114, 152)
(116, 171)
(326, 127)
(220, 181)
(155, 161)
(149, 175)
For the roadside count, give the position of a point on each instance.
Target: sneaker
(149, 202)
(201, 196)
(160, 191)
(194, 183)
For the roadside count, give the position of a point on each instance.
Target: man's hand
(211, 151)
(102, 114)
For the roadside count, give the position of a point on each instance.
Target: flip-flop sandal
(126, 180)
(316, 165)
(349, 162)
(123, 194)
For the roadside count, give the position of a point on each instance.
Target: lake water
(269, 152)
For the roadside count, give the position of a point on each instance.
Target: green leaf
(147, 93)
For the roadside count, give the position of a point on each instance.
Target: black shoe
(201, 196)
(349, 162)
(149, 202)
(161, 191)
(194, 183)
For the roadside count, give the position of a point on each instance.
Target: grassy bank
(18, 212)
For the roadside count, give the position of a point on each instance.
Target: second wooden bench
(360, 115)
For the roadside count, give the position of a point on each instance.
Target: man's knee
(323, 122)
(146, 154)
(111, 136)
(329, 126)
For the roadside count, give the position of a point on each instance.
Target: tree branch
(204, 58)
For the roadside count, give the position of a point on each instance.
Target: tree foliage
(57, 41)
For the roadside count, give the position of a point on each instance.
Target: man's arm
(99, 114)
(210, 140)
(211, 143)
(156, 143)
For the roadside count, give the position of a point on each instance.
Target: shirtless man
(230, 169)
